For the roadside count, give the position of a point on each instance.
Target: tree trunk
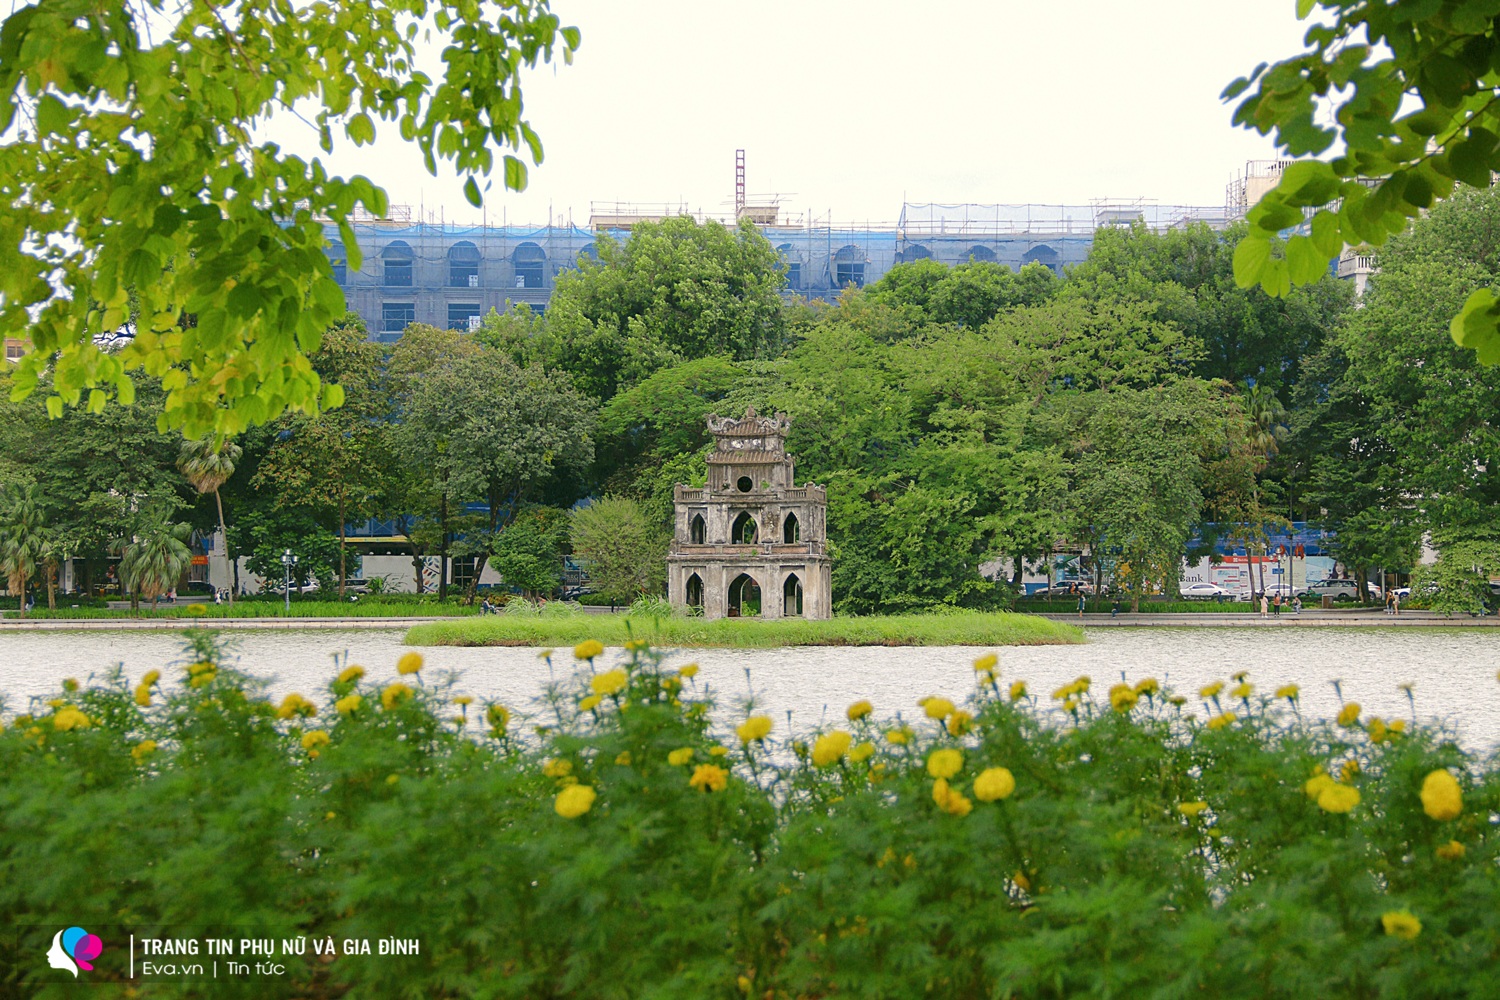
(229, 564)
(443, 550)
(21, 603)
(417, 566)
(343, 566)
(51, 586)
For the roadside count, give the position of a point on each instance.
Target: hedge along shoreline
(1082, 843)
(959, 628)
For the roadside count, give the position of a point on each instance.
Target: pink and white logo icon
(74, 949)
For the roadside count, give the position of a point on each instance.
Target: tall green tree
(673, 291)
(207, 240)
(625, 549)
(155, 558)
(207, 466)
(529, 552)
(23, 539)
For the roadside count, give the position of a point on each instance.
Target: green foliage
(969, 295)
(265, 535)
(1413, 92)
(624, 551)
(210, 243)
(155, 558)
(529, 552)
(1127, 849)
(23, 539)
(675, 291)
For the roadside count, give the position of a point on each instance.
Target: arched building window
(980, 254)
(695, 591)
(697, 531)
(463, 265)
(791, 530)
(917, 252)
(849, 267)
(793, 261)
(791, 597)
(530, 262)
(1044, 255)
(338, 259)
(397, 259)
(744, 531)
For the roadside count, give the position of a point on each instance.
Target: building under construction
(425, 270)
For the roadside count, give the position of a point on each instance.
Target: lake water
(1453, 670)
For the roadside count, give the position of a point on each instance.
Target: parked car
(1273, 589)
(1204, 591)
(1065, 588)
(1334, 589)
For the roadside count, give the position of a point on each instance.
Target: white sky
(849, 107)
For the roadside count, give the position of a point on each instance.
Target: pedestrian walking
(1265, 606)
(1395, 603)
(1276, 606)
(1390, 602)
(1081, 600)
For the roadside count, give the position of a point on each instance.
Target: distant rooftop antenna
(739, 182)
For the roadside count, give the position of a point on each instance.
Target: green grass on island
(363, 608)
(964, 628)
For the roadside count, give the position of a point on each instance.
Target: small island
(958, 628)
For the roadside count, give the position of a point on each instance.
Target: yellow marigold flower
(349, 674)
(1018, 691)
(679, 757)
(900, 736)
(588, 649)
(590, 703)
(392, 779)
(688, 672)
(394, 694)
(859, 710)
(142, 750)
(498, 716)
(960, 722)
(1376, 729)
(1398, 727)
(1220, 721)
(636, 645)
(1239, 676)
(623, 758)
(1314, 786)
(1071, 705)
(557, 768)
(1288, 691)
(1442, 799)
(1401, 924)
(575, 800)
(830, 748)
(1242, 690)
(985, 676)
(464, 699)
(757, 727)
(994, 784)
(194, 669)
(204, 679)
(314, 738)
(1147, 687)
(800, 749)
(143, 696)
(1122, 698)
(69, 717)
(196, 610)
(1063, 692)
(862, 752)
(937, 708)
(1349, 770)
(55, 703)
(1081, 684)
(1451, 851)
(295, 704)
(1191, 808)
(410, 663)
(1022, 882)
(1349, 714)
(945, 763)
(151, 677)
(1177, 700)
(951, 802)
(348, 704)
(709, 778)
(70, 684)
(545, 654)
(1211, 691)
(1336, 798)
(987, 662)
(610, 682)
(718, 751)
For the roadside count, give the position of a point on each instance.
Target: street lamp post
(288, 561)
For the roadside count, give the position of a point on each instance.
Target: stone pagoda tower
(750, 543)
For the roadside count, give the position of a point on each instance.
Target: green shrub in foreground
(613, 845)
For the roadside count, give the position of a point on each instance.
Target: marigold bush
(636, 848)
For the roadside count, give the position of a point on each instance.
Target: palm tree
(154, 559)
(208, 467)
(21, 540)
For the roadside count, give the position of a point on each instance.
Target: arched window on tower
(463, 265)
(791, 530)
(744, 597)
(793, 261)
(791, 597)
(698, 531)
(694, 593)
(530, 262)
(1044, 255)
(849, 267)
(744, 531)
(980, 254)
